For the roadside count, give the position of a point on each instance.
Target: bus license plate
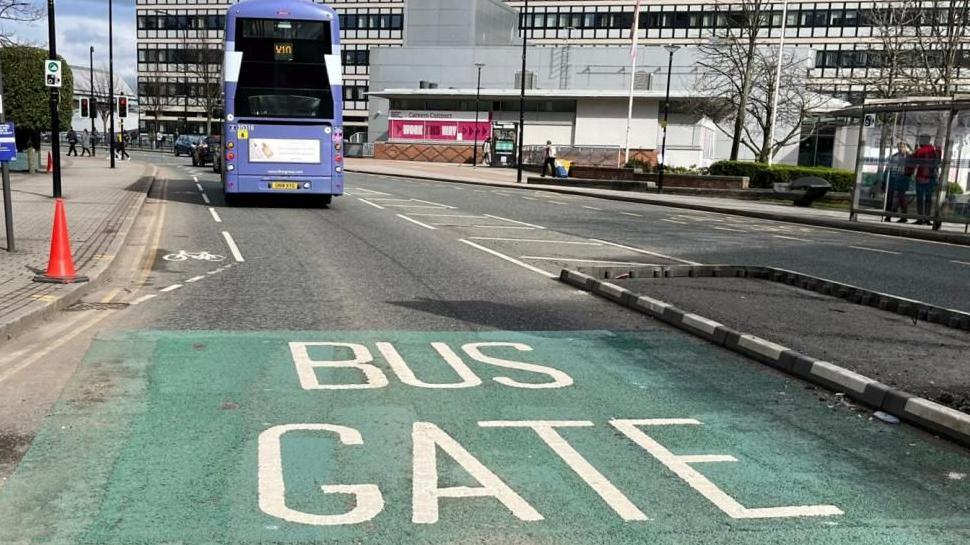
(284, 185)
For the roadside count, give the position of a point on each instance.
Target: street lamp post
(91, 106)
(525, 41)
(663, 145)
(777, 89)
(111, 83)
(478, 98)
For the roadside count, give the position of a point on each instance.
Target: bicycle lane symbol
(183, 255)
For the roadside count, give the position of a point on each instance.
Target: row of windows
(873, 58)
(358, 57)
(710, 16)
(355, 92)
(374, 21)
(181, 22)
(181, 56)
(152, 89)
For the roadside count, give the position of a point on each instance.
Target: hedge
(763, 176)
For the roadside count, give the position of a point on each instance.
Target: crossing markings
(508, 258)
(867, 249)
(645, 252)
(365, 201)
(416, 222)
(514, 221)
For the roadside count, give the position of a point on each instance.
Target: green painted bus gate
(465, 438)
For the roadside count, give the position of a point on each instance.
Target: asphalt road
(403, 368)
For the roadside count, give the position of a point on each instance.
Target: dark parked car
(202, 153)
(185, 143)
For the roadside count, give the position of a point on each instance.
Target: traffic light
(122, 107)
(93, 107)
(85, 112)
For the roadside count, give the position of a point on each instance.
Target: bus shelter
(913, 160)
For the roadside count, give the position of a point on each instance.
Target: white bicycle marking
(182, 255)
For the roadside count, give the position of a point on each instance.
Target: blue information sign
(8, 144)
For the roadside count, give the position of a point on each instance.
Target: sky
(81, 24)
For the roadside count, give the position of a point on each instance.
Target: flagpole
(635, 38)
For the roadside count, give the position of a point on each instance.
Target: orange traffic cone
(50, 163)
(60, 269)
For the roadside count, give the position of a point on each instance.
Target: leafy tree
(27, 99)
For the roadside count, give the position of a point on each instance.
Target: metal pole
(91, 107)
(525, 41)
(55, 95)
(663, 144)
(777, 90)
(635, 38)
(478, 98)
(111, 83)
(7, 205)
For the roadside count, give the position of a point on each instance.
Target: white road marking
(572, 260)
(728, 229)
(792, 238)
(508, 258)
(674, 221)
(365, 201)
(591, 208)
(515, 227)
(371, 191)
(194, 279)
(530, 198)
(514, 221)
(546, 430)
(424, 206)
(559, 203)
(536, 240)
(198, 185)
(173, 287)
(416, 222)
(645, 252)
(680, 466)
(215, 215)
(866, 249)
(205, 199)
(960, 262)
(390, 199)
(434, 203)
(446, 216)
(348, 193)
(632, 214)
(143, 298)
(232, 247)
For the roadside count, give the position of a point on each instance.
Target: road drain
(77, 307)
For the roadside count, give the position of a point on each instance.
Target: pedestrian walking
(926, 161)
(72, 141)
(900, 169)
(549, 159)
(121, 153)
(86, 144)
(94, 142)
(487, 151)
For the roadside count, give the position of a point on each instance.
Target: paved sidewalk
(811, 216)
(101, 206)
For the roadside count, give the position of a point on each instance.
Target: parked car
(216, 148)
(185, 144)
(202, 153)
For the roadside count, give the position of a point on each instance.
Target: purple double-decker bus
(283, 127)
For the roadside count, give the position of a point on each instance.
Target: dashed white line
(645, 252)
(792, 238)
(514, 227)
(514, 221)
(416, 222)
(632, 214)
(866, 249)
(674, 221)
(215, 215)
(501, 239)
(445, 216)
(559, 203)
(198, 185)
(434, 203)
(729, 229)
(591, 208)
(173, 287)
(510, 259)
(530, 198)
(194, 279)
(205, 199)
(232, 247)
(143, 298)
(196, 180)
(960, 262)
(348, 193)
(365, 201)
(576, 260)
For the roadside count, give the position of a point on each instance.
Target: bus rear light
(230, 168)
(230, 156)
(231, 145)
(337, 146)
(339, 169)
(306, 185)
(338, 158)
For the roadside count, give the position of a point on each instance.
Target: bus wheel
(324, 201)
(230, 198)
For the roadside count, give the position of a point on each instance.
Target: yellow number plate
(284, 185)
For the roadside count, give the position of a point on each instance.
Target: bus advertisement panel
(283, 129)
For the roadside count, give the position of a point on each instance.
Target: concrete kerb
(73, 293)
(947, 422)
(845, 225)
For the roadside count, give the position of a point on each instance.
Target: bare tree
(204, 67)
(152, 97)
(732, 52)
(16, 11)
(102, 90)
